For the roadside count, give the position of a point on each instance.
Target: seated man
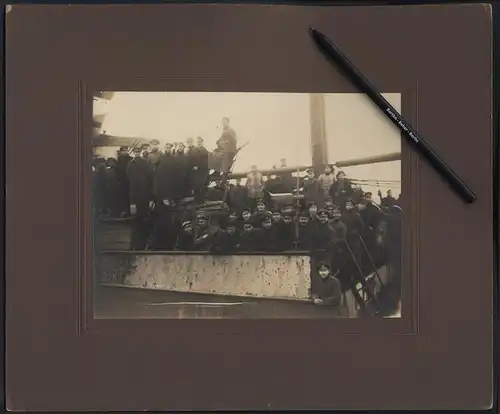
(327, 291)
(222, 157)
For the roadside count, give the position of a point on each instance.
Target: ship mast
(319, 148)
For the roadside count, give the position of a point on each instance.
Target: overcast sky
(276, 125)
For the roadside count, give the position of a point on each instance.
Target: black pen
(415, 139)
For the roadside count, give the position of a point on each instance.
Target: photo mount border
(407, 324)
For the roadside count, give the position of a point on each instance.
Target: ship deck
(117, 302)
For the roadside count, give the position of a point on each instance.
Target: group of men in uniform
(345, 243)
(338, 225)
(150, 175)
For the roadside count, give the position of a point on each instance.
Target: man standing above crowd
(226, 149)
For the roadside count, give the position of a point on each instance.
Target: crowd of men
(340, 226)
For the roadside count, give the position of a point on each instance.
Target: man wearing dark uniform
(266, 234)
(246, 217)
(164, 177)
(181, 169)
(189, 146)
(372, 217)
(311, 187)
(276, 216)
(324, 235)
(164, 232)
(339, 253)
(329, 208)
(286, 232)
(100, 199)
(249, 239)
(169, 149)
(227, 239)
(233, 217)
(204, 233)
(324, 242)
(199, 167)
(139, 175)
(185, 239)
(154, 156)
(306, 232)
(261, 210)
(112, 188)
(355, 228)
(352, 219)
(387, 202)
(123, 185)
(336, 223)
(341, 189)
(145, 150)
(327, 291)
(313, 213)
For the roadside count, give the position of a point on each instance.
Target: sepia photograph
(245, 205)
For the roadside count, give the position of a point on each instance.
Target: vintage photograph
(245, 205)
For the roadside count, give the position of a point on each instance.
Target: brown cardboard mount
(438, 355)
